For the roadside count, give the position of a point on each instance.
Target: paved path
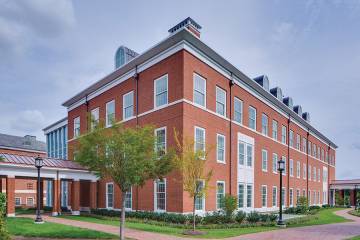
(336, 231)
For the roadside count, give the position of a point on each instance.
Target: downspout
(231, 83)
(136, 77)
(288, 165)
(307, 166)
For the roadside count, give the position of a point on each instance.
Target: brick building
(182, 83)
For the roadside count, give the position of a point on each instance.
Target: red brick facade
(180, 113)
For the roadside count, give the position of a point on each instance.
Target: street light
(281, 168)
(38, 164)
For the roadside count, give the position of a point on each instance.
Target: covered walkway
(80, 192)
(350, 188)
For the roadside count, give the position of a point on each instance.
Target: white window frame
(291, 138)
(304, 171)
(125, 107)
(156, 132)
(156, 209)
(107, 195)
(217, 200)
(217, 148)
(274, 198)
(241, 110)
(203, 200)
(264, 162)
(264, 127)
(262, 196)
(314, 174)
(94, 122)
(244, 196)
(291, 167)
(75, 127)
(27, 202)
(249, 118)
(284, 196)
(275, 160)
(283, 134)
(204, 131)
(129, 209)
(252, 195)
(291, 197)
(309, 173)
(107, 123)
(304, 145)
(275, 132)
(19, 198)
(167, 90)
(285, 165)
(319, 174)
(298, 142)
(298, 169)
(195, 74)
(216, 100)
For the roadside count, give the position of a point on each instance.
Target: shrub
(314, 207)
(290, 210)
(240, 216)
(273, 217)
(347, 201)
(217, 218)
(325, 206)
(264, 217)
(229, 204)
(339, 199)
(253, 217)
(4, 235)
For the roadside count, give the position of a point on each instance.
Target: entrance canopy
(351, 184)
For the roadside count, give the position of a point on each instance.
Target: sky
(51, 49)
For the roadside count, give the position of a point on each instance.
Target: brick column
(93, 195)
(56, 198)
(10, 196)
(75, 197)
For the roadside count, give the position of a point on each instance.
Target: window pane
(249, 195)
(241, 147)
(220, 101)
(238, 110)
(220, 194)
(220, 148)
(128, 105)
(161, 141)
(241, 196)
(110, 113)
(249, 154)
(199, 90)
(252, 118)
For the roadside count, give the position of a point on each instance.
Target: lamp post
(281, 167)
(38, 164)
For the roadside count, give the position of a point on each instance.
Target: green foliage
(302, 205)
(229, 204)
(347, 201)
(240, 216)
(339, 200)
(217, 218)
(4, 235)
(253, 217)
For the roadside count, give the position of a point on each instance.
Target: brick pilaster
(75, 197)
(93, 195)
(10, 196)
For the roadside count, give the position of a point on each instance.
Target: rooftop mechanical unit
(263, 81)
(276, 92)
(288, 102)
(306, 116)
(298, 110)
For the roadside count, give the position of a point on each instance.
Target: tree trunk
(122, 220)
(194, 214)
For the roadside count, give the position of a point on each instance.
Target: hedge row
(209, 218)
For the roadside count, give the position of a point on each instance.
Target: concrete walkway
(334, 231)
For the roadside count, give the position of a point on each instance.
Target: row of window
(29, 201)
(57, 143)
(316, 172)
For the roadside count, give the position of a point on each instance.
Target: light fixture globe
(39, 162)
(281, 165)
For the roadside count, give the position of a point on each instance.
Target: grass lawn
(25, 227)
(355, 238)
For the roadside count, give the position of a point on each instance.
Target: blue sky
(50, 50)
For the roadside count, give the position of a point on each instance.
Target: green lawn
(25, 227)
(355, 238)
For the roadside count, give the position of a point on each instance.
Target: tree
(191, 164)
(129, 156)
(4, 235)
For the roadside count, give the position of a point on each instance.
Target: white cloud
(284, 31)
(28, 121)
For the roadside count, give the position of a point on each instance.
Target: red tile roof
(48, 162)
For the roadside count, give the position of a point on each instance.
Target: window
(76, 127)
(109, 195)
(297, 194)
(94, 118)
(314, 150)
(274, 163)
(274, 196)
(318, 175)
(275, 130)
(160, 195)
(200, 139)
(160, 134)
(284, 159)
(128, 199)
(283, 196)
(309, 172)
(304, 193)
(248, 196)
(29, 201)
(128, 105)
(309, 148)
(309, 197)
(325, 175)
(291, 168)
(298, 142)
(318, 152)
(304, 145)
(242, 154)
(322, 155)
(220, 148)
(283, 134)
(291, 196)
(220, 101)
(110, 113)
(291, 138)
(241, 195)
(252, 118)
(220, 194)
(17, 201)
(238, 110)
(264, 124)
(200, 201)
(314, 172)
(199, 90)
(161, 91)
(264, 161)
(263, 196)
(298, 169)
(304, 170)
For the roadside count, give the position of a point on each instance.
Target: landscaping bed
(355, 213)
